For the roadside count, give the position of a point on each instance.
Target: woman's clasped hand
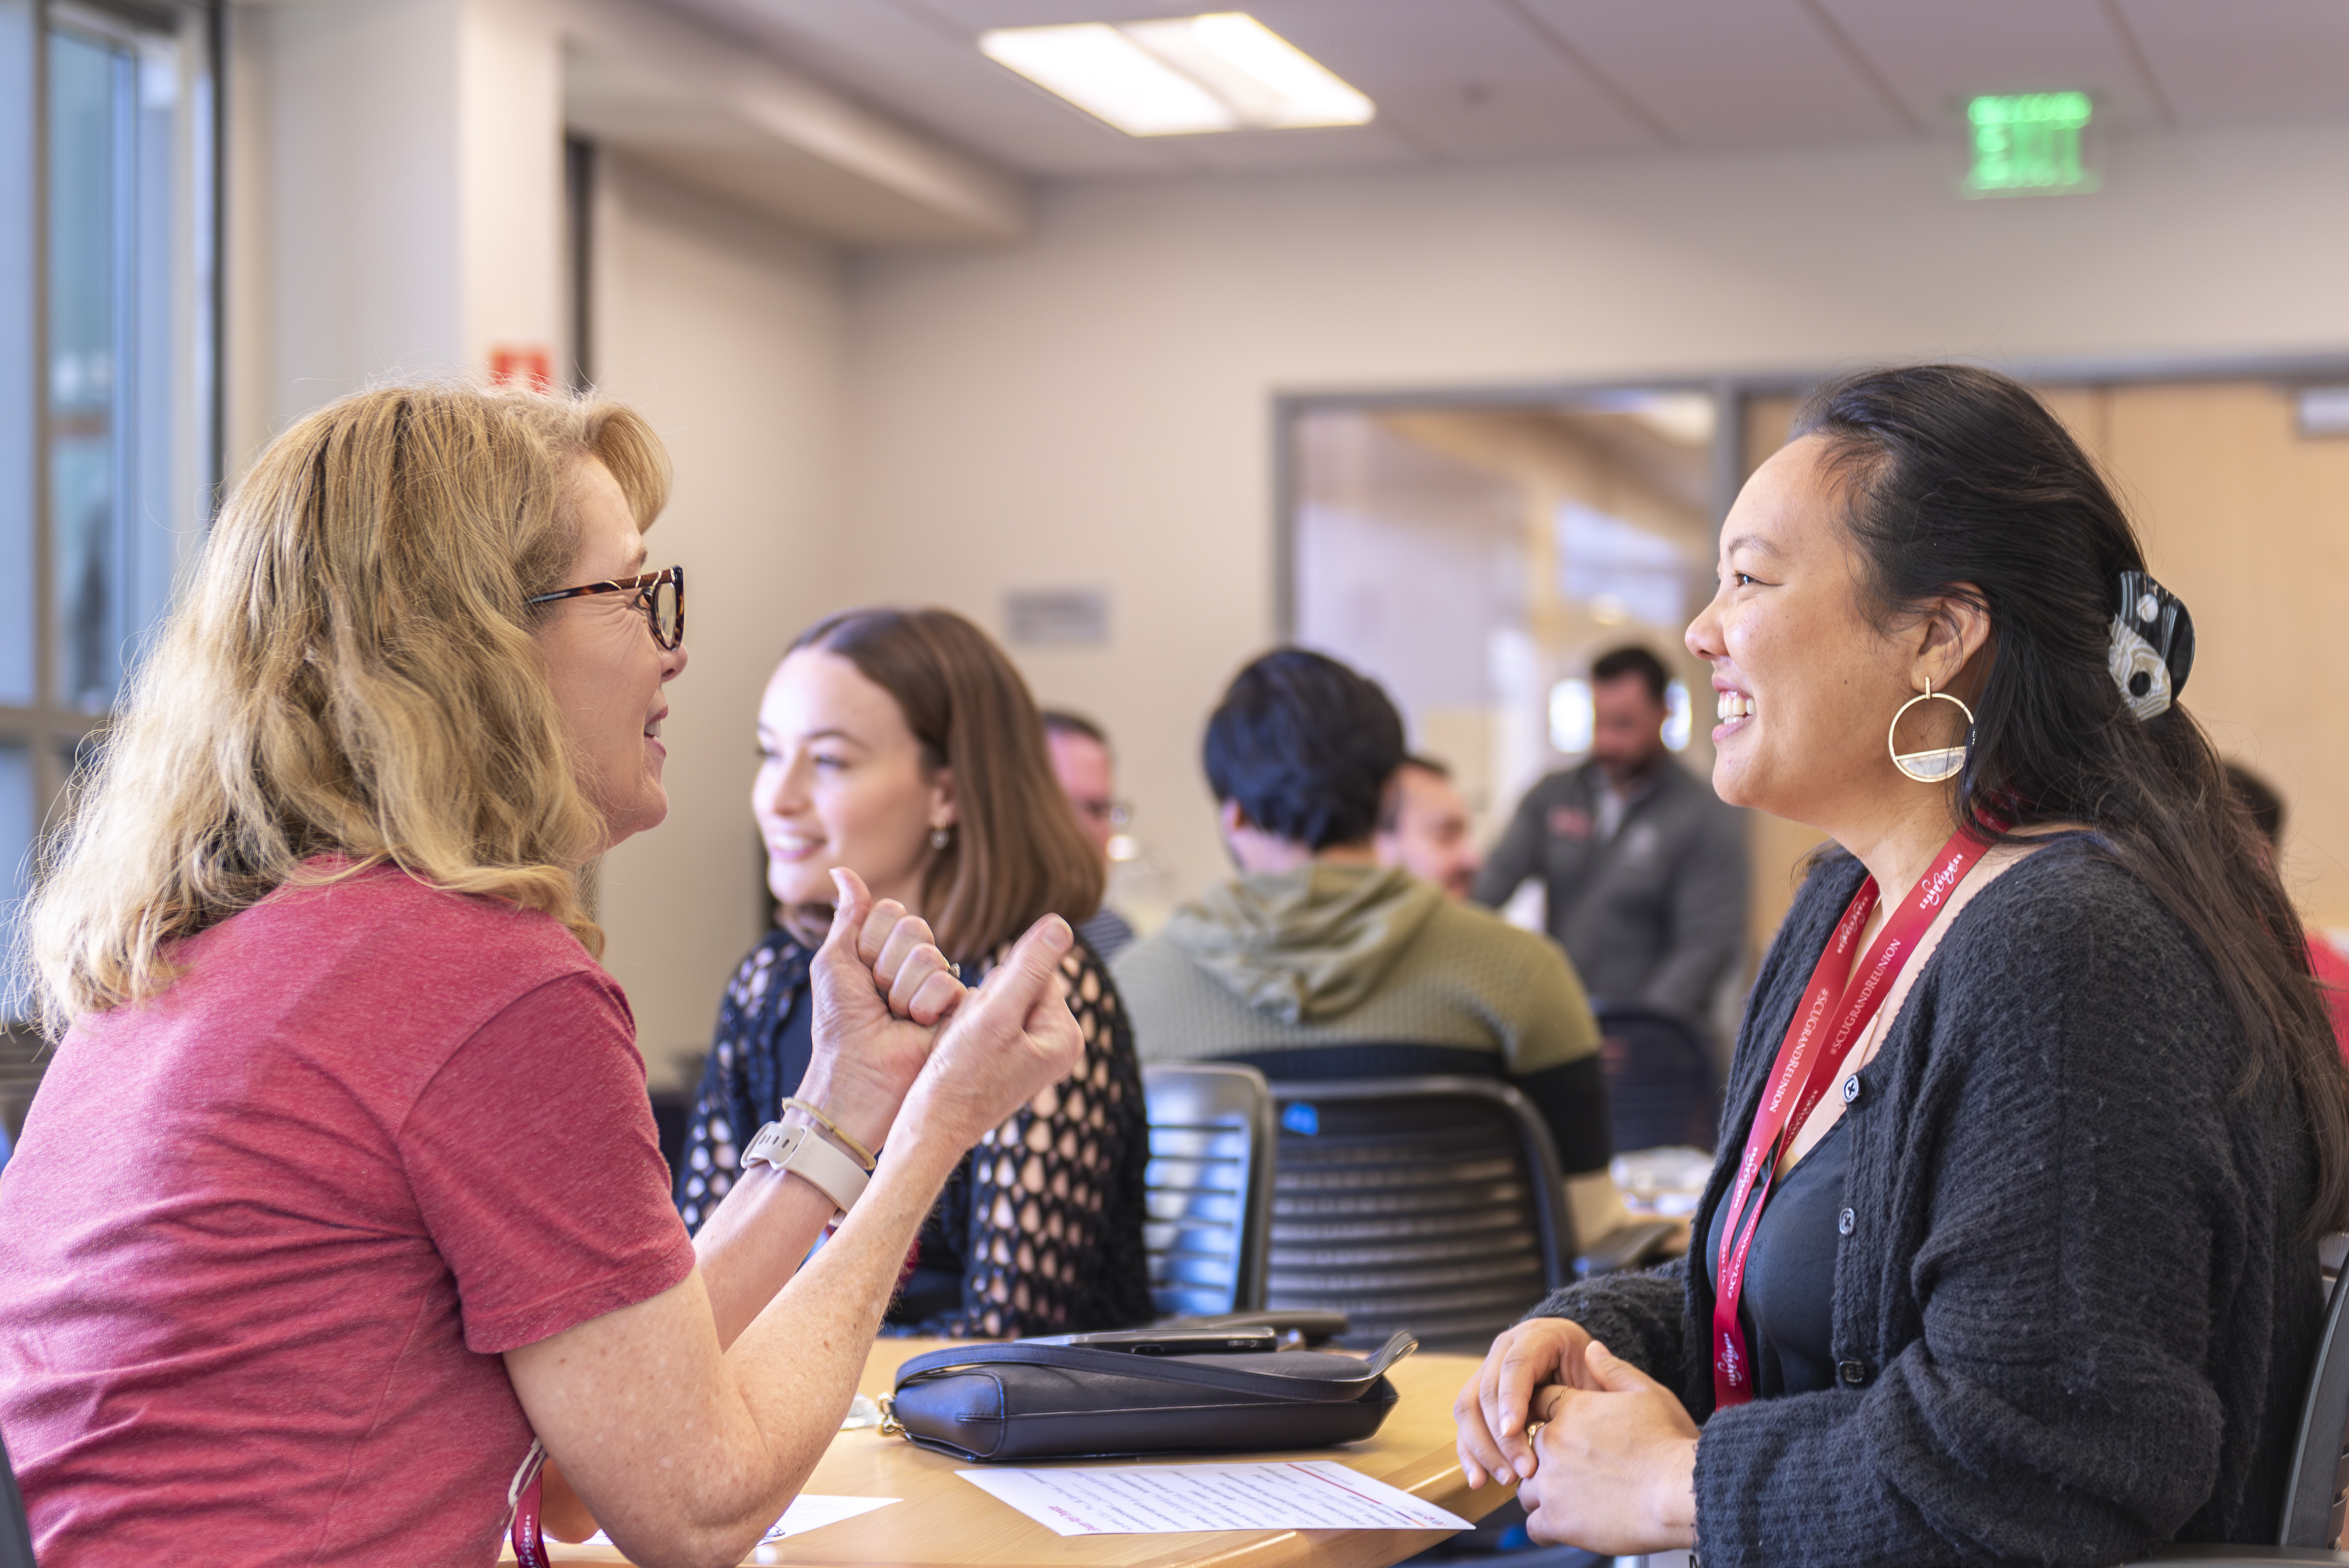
(1620, 1447)
(899, 1038)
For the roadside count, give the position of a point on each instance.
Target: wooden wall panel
(2248, 522)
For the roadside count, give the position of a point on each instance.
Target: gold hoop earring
(1940, 765)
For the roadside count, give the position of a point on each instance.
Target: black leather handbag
(1026, 1400)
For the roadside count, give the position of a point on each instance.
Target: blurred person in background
(902, 744)
(2265, 807)
(1087, 769)
(1643, 867)
(1317, 962)
(1423, 827)
(340, 1209)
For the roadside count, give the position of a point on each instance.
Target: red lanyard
(528, 1533)
(1812, 1057)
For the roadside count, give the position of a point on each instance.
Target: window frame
(54, 727)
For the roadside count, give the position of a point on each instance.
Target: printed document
(1153, 1500)
(808, 1511)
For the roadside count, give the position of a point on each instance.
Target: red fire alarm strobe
(531, 366)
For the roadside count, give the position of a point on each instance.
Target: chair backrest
(1660, 1086)
(1432, 1204)
(2314, 1489)
(15, 1531)
(1209, 1191)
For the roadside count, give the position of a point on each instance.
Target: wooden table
(945, 1520)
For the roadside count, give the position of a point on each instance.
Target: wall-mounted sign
(2324, 410)
(524, 364)
(2029, 144)
(1057, 618)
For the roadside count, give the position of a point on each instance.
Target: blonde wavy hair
(350, 672)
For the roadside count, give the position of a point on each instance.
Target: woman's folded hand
(1617, 1470)
(1493, 1411)
(1004, 1043)
(879, 987)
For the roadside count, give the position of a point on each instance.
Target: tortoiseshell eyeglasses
(660, 595)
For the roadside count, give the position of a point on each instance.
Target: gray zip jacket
(1654, 913)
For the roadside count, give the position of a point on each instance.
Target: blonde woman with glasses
(340, 1209)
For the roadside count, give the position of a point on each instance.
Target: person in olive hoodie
(1316, 962)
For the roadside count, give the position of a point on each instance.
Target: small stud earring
(940, 839)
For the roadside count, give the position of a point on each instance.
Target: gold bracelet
(864, 1157)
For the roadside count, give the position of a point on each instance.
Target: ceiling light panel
(1180, 75)
(1111, 76)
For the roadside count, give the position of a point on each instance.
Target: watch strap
(805, 1152)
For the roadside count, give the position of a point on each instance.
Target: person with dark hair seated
(1316, 962)
(1423, 827)
(1087, 769)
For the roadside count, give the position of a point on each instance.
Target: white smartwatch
(805, 1153)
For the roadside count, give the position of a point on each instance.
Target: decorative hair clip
(2152, 646)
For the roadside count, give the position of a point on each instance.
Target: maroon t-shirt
(265, 1238)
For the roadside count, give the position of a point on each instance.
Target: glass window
(107, 453)
(1475, 558)
(19, 591)
(15, 830)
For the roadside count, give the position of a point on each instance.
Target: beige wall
(393, 195)
(1095, 407)
(725, 329)
(2248, 522)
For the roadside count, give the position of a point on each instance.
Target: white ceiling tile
(1466, 79)
(1463, 79)
(1727, 73)
(1938, 56)
(926, 72)
(2236, 61)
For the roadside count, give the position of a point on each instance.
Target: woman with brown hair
(903, 745)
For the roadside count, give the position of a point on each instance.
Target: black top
(1038, 1230)
(1788, 1307)
(2073, 1318)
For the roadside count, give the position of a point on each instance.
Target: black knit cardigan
(2072, 1317)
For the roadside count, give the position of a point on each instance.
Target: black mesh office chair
(15, 1533)
(1208, 1191)
(2314, 1503)
(1659, 1078)
(1432, 1204)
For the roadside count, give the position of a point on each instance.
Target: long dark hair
(1016, 853)
(1959, 483)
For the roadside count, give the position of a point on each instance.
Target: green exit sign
(2029, 144)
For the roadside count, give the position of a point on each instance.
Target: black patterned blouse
(1040, 1229)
